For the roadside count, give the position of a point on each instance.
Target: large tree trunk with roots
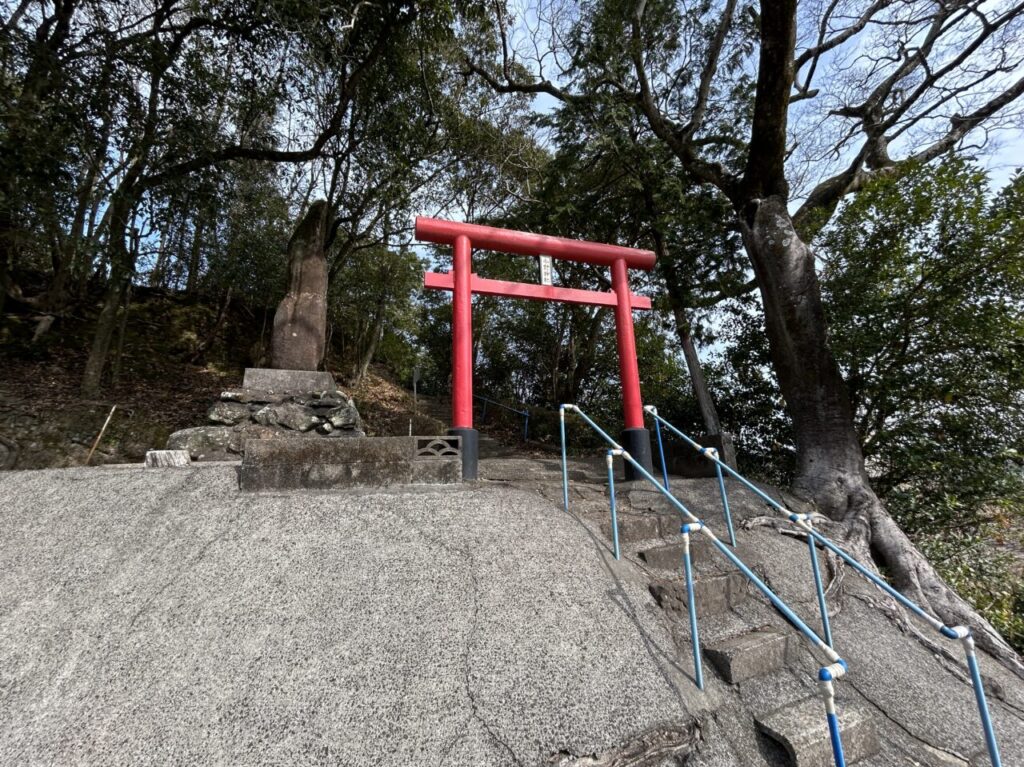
(830, 466)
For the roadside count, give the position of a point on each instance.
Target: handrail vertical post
(825, 677)
(526, 426)
(979, 695)
(691, 604)
(565, 470)
(725, 499)
(661, 448)
(609, 460)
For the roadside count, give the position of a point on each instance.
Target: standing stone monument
(300, 323)
(294, 428)
(292, 399)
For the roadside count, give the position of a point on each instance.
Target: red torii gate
(463, 283)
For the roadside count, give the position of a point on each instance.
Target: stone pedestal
(272, 405)
(359, 462)
(287, 381)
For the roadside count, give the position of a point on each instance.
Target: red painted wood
(629, 373)
(462, 335)
(532, 292)
(528, 244)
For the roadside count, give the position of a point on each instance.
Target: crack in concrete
(930, 747)
(200, 555)
(474, 705)
(949, 661)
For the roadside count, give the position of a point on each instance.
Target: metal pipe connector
(836, 670)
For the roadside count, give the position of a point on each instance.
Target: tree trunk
(115, 368)
(121, 268)
(105, 326)
(195, 258)
(4, 284)
(708, 411)
(700, 385)
(830, 464)
(371, 349)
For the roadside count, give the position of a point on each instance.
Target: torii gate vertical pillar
(462, 356)
(635, 438)
(462, 237)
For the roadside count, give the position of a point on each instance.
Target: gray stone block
(358, 462)
(713, 594)
(643, 527)
(748, 655)
(702, 551)
(633, 527)
(228, 413)
(435, 472)
(284, 381)
(802, 730)
(164, 458)
(668, 557)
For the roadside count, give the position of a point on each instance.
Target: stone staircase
(750, 647)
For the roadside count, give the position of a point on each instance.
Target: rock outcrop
(244, 414)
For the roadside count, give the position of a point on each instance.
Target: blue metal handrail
(805, 523)
(524, 413)
(836, 667)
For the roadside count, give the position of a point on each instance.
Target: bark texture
(830, 465)
(300, 323)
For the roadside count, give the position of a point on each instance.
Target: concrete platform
(319, 464)
(161, 616)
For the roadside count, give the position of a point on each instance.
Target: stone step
(802, 730)
(643, 527)
(669, 556)
(713, 593)
(746, 656)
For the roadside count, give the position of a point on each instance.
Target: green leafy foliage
(923, 278)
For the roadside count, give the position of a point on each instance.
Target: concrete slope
(162, 617)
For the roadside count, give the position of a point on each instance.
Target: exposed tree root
(874, 538)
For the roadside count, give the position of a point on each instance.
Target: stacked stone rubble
(244, 414)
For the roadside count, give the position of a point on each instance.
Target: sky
(1006, 158)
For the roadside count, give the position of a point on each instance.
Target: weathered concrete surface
(920, 703)
(272, 381)
(358, 462)
(159, 616)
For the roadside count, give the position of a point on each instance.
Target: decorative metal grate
(438, 447)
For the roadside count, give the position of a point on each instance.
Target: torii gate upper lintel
(463, 283)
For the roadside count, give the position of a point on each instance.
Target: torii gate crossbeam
(463, 283)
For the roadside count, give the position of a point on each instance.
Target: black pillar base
(470, 451)
(637, 442)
